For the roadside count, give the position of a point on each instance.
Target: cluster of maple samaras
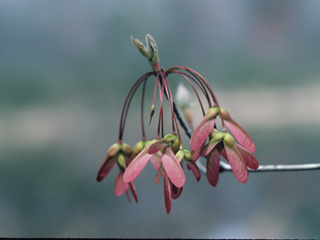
(166, 152)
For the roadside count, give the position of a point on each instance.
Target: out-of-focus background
(65, 70)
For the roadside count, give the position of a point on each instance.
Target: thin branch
(181, 121)
(282, 168)
(225, 167)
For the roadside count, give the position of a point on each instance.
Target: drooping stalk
(195, 91)
(207, 86)
(169, 95)
(142, 105)
(174, 120)
(194, 79)
(161, 93)
(154, 99)
(127, 102)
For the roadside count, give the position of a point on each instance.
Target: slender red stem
(161, 105)
(207, 86)
(127, 102)
(195, 79)
(169, 94)
(195, 91)
(154, 99)
(142, 105)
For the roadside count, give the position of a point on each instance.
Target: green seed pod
(114, 149)
(219, 136)
(136, 150)
(174, 140)
(169, 138)
(149, 143)
(213, 132)
(175, 144)
(180, 155)
(126, 149)
(229, 141)
(224, 113)
(139, 146)
(187, 156)
(121, 161)
(212, 112)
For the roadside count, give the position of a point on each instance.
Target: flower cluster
(166, 152)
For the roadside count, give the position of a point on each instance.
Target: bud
(150, 52)
(140, 47)
(153, 48)
(152, 110)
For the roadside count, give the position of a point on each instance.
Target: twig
(282, 168)
(225, 167)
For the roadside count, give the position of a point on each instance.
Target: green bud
(141, 48)
(150, 62)
(155, 59)
(149, 49)
(152, 45)
(152, 110)
(150, 52)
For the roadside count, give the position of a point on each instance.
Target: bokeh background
(65, 70)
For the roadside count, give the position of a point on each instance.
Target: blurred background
(65, 70)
